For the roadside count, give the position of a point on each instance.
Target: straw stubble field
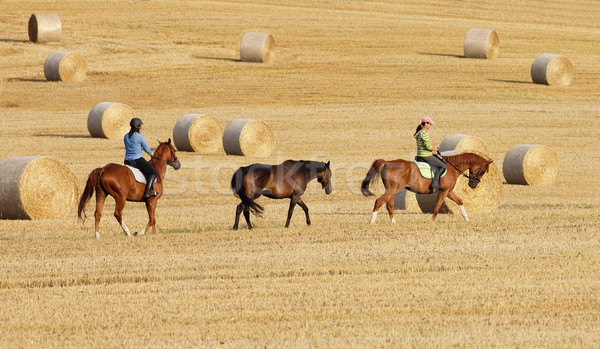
(348, 83)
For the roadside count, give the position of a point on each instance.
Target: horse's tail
(92, 181)
(370, 178)
(237, 185)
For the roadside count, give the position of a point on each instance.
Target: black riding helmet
(135, 124)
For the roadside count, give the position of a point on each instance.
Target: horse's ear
(169, 141)
(492, 160)
(328, 162)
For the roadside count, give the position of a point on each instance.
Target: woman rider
(134, 143)
(425, 152)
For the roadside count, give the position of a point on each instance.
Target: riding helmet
(136, 123)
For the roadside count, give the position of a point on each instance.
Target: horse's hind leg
(378, 203)
(100, 198)
(390, 207)
(238, 211)
(305, 208)
(247, 216)
(119, 206)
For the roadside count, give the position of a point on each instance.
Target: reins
(170, 163)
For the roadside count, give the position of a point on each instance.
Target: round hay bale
(257, 47)
(483, 199)
(481, 43)
(406, 200)
(464, 142)
(530, 164)
(248, 137)
(36, 187)
(109, 119)
(553, 70)
(44, 27)
(199, 133)
(65, 66)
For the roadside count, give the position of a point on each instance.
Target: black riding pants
(143, 165)
(433, 161)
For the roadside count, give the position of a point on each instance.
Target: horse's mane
(468, 157)
(317, 165)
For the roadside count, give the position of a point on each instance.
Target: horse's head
(476, 171)
(166, 153)
(324, 177)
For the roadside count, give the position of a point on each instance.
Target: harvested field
(349, 83)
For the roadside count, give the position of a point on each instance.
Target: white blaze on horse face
(125, 229)
(464, 213)
(374, 217)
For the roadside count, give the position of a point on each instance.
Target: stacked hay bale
(44, 27)
(36, 187)
(248, 137)
(530, 164)
(257, 47)
(481, 43)
(109, 119)
(65, 66)
(199, 133)
(483, 199)
(553, 70)
(461, 141)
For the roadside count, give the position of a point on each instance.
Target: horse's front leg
(452, 196)
(293, 202)
(305, 208)
(238, 211)
(438, 203)
(100, 198)
(151, 208)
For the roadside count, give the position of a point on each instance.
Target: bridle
(170, 163)
(473, 177)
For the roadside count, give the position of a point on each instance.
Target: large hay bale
(248, 137)
(198, 132)
(44, 27)
(464, 142)
(481, 43)
(36, 187)
(257, 47)
(65, 66)
(406, 200)
(530, 164)
(553, 70)
(109, 119)
(483, 199)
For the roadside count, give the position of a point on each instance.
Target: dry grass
(349, 82)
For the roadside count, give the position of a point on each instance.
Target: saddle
(426, 170)
(137, 174)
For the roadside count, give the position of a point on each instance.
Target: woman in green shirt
(425, 152)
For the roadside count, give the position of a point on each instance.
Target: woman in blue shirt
(134, 144)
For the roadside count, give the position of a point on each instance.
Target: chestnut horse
(287, 180)
(400, 174)
(118, 181)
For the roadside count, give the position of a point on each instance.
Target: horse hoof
(135, 233)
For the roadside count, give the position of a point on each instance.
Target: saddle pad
(426, 171)
(139, 176)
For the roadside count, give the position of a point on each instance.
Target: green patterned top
(423, 143)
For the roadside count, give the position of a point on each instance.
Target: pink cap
(428, 119)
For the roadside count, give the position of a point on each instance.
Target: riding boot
(149, 187)
(435, 181)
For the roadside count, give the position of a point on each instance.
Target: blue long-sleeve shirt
(134, 146)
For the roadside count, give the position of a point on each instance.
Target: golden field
(349, 83)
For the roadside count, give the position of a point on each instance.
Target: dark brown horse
(118, 181)
(287, 180)
(400, 174)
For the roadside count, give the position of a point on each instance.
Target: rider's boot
(435, 181)
(149, 187)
